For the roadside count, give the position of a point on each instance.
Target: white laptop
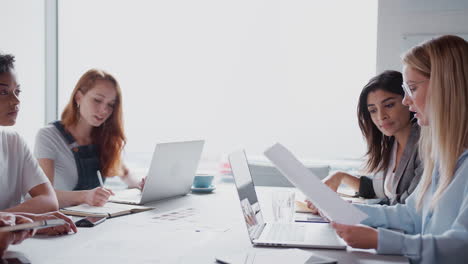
(171, 173)
(261, 233)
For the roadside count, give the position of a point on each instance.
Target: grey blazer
(407, 174)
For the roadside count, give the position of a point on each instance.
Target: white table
(137, 239)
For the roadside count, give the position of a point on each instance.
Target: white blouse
(390, 176)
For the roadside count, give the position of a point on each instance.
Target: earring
(78, 112)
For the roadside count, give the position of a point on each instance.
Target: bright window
(23, 36)
(240, 74)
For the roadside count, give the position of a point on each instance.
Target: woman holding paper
(20, 174)
(8, 238)
(16, 237)
(89, 138)
(392, 136)
(435, 217)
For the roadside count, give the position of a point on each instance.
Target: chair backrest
(268, 175)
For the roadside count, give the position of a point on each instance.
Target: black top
(86, 158)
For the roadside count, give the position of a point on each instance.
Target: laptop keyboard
(286, 232)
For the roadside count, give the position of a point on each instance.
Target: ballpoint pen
(100, 178)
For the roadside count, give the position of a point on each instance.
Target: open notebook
(108, 210)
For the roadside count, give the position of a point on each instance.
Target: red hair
(108, 137)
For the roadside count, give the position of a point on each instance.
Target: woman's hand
(131, 180)
(8, 219)
(55, 230)
(312, 207)
(6, 238)
(333, 181)
(141, 184)
(97, 196)
(22, 235)
(15, 237)
(357, 236)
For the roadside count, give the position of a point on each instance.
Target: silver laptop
(261, 233)
(171, 173)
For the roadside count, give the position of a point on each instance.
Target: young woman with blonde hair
(435, 217)
(88, 139)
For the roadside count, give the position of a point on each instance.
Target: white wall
(22, 34)
(243, 73)
(399, 18)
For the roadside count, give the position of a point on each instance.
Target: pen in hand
(101, 182)
(100, 178)
(100, 195)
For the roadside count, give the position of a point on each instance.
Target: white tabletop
(216, 229)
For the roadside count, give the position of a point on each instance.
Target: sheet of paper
(187, 219)
(331, 205)
(176, 215)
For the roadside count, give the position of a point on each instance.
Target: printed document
(329, 203)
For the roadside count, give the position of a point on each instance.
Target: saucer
(203, 190)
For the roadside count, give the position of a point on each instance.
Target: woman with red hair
(87, 140)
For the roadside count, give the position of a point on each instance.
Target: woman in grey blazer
(406, 175)
(392, 138)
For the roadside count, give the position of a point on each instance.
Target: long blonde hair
(109, 137)
(444, 61)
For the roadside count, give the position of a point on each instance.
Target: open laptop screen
(247, 195)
